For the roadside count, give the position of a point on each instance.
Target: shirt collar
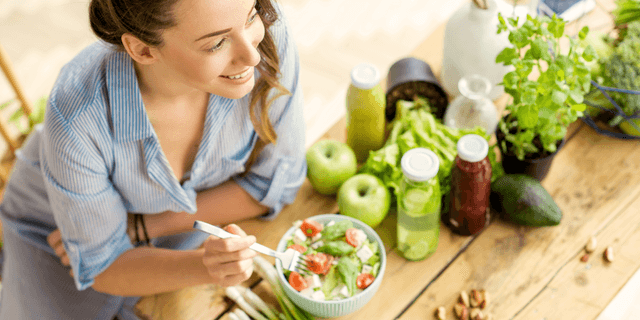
(129, 118)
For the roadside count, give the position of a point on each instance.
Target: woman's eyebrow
(216, 33)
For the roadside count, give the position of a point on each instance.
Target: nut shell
(475, 299)
(608, 254)
(461, 311)
(464, 298)
(591, 245)
(585, 257)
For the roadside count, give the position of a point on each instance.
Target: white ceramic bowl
(334, 308)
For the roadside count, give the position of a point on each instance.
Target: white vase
(471, 45)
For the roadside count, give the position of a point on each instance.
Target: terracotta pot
(537, 168)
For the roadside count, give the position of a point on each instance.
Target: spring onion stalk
(235, 295)
(241, 314)
(268, 272)
(232, 316)
(258, 303)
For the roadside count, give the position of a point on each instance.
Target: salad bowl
(339, 307)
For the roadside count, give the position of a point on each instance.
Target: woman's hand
(229, 261)
(55, 242)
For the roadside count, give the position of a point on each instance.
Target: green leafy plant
(37, 115)
(548, 84)
(626, 11)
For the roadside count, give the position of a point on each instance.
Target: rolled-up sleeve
(87, 208)
(281, 168)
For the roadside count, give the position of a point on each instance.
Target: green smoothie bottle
(419, 204)
(365, 111)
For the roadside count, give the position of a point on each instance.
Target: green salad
(341, 260)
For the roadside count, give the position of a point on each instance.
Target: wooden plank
(197, 303)
(620, 308)
(597, 19)
(582, 290)
(592, 180)
(607, 5)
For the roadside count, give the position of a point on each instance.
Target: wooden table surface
(530, 273)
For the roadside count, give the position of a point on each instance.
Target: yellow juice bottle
(365, 111)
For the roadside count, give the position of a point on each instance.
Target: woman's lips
(239, 75)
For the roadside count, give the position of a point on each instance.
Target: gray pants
(36, 286)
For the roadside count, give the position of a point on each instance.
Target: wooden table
(531, 273)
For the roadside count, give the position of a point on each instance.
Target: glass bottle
(419, 204)
(470, 186)
(473, 107)
(365, 111)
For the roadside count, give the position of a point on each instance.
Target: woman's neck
(163, 88)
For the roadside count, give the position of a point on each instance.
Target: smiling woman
(172, 115)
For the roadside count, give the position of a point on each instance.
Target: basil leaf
(336, 248)
(331, 281)
(336, 230)
(348, 270)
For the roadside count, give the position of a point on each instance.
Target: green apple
(329, 164)
(364, 197)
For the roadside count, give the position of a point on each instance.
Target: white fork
(292, 260)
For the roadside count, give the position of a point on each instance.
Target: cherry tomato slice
(297, 281)
(364, 280)
(310, 228)
(319, 263)
(298, 247)
(352, 237)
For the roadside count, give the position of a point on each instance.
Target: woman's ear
(138, 50)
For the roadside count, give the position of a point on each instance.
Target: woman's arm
(221, 261)
(223, 204)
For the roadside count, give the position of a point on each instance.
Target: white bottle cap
(365, 76)
(420, 164)
(472, 148)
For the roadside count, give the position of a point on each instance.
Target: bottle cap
(472, 148)
(474, 86)
(420, 164)
(365, 76)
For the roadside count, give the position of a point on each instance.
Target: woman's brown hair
(146, 19)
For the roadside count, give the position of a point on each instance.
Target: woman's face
(212, 48)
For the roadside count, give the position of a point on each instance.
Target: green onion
(259, 304)
(241, 315)
(234, 294)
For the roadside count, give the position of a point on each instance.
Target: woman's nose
(248, 53)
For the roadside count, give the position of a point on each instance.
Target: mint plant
(545, 105)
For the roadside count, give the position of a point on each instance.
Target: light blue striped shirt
(97, 157)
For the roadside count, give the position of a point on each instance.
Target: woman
(174, 115)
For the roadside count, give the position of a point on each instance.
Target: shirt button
(197, 171)
(285, 166)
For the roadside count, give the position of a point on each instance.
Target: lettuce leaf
(415, 126)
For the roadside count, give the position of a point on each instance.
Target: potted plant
(548, 85)
(615, 98)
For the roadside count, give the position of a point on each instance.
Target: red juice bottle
(470, 186)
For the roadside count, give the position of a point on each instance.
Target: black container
(537, 168)
(411, 77)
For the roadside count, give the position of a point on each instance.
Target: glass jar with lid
(470, 186)
(419, 204)
(473, 107)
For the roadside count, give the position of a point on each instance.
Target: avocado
(523, 200)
